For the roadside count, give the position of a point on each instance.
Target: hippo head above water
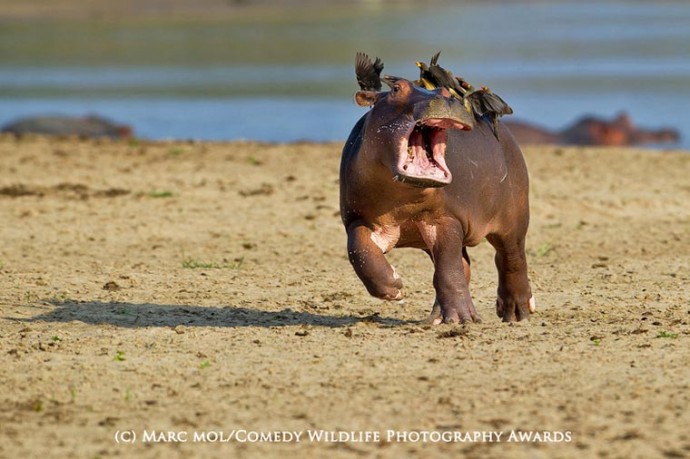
(409, 124)
(621, 131)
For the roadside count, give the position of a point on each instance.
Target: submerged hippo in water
(591, 130)
(418, 170)
(87, 127)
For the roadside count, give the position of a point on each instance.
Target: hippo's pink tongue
(423, 163)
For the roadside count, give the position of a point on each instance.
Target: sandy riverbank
(192, 287)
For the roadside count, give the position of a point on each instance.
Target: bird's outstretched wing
(368, 72)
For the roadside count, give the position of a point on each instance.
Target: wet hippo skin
(418, 170)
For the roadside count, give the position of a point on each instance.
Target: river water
(291, 77)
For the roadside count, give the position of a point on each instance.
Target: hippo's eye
(396, 88)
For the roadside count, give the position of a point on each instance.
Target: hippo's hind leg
(436, 317)
(514, 301)
(371, 265)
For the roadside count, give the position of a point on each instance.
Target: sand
(203, 289)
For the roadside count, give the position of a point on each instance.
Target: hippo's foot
(515, 310)
(385, 288)
(466, 313)
(435, 317)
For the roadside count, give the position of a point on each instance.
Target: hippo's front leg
(371, 265)
(451, 278)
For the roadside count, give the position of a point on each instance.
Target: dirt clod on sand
(209, 291)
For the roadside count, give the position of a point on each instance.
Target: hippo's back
(490, 180)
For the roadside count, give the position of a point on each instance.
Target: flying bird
(368, 72)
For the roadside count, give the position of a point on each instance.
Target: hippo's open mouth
(422, 155)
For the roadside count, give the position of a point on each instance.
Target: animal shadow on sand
(163, 315)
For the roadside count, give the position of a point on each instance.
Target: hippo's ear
(366, 98)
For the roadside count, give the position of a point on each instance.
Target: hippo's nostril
(405, 167)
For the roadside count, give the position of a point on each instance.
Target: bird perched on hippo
(422, 169)
(481, 102)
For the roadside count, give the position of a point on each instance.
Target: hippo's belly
(416, 234)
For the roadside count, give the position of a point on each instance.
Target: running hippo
(87, 127)
(419, 170)
(591, 130)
